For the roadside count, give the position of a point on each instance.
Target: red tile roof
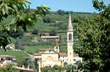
(57, 44)
(62, 54)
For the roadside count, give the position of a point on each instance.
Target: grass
(20, 55)
(35, 49)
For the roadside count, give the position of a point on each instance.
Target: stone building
(6, 59)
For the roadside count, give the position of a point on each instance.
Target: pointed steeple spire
(70, 27)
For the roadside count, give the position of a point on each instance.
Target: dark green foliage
(47, 20)
(41, 34)
(36, 64)
(53, 32)
(17, 33)
(94, 34)
(61, 12)
(55, 68)
(35, 31)
(75, 20)
(99, 5)
(27, 62)
(58, 68)
(71, 68)
(80, 65)
(4, 39)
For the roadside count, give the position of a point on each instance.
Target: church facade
(52, 56)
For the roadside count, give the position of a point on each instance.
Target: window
(49, 50)
(74, 59)
(70, 53)
(70, 36)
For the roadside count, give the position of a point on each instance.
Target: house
(11, 46)
(6, 59)
(47, 38)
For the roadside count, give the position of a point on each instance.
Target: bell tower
(56, 47)
(70, 41)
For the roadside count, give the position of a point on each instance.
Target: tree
(94, 35)
(58, 68)
(35, 31)
(17, 43)
(47, 20)
(71, 68)
(45, 69)
(53, 32)
(55, 68)
(27, 62)
(61, 12)
(62, 26)
(8, 68)
(16, 34)
(15, 15)
(36, 64)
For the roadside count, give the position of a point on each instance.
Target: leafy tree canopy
(94, 34)
(15, 15)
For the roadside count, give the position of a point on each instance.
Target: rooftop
(61, 54)
(49, 36)
(65, 54)
(5, 56)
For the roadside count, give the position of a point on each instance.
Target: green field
(20, 55)
(34, 49)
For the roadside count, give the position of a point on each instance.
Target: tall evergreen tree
(17, 43)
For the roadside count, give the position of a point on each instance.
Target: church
(52, 56)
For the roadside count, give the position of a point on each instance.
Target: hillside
(54, 23)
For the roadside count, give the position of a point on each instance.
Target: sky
(66, 5)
